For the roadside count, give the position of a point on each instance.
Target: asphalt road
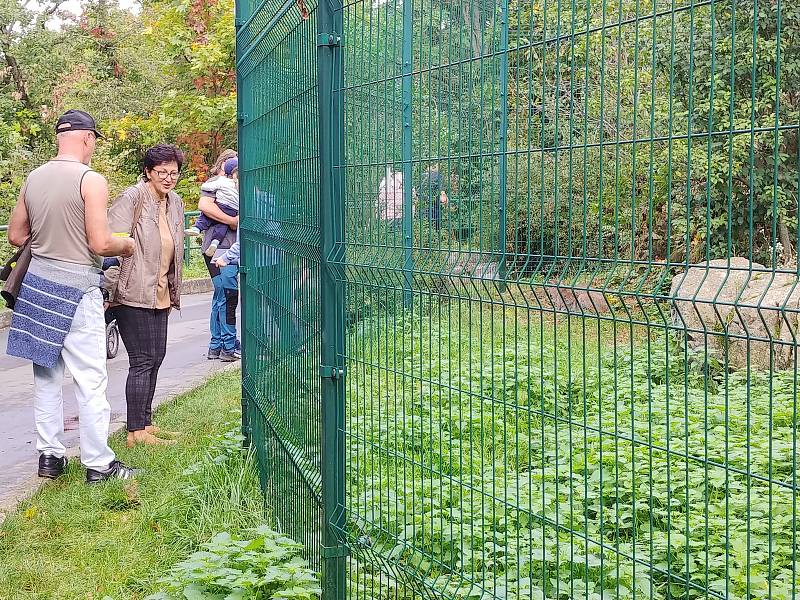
(184, 367)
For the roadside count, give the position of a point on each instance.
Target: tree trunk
(786, 241)
(16, 75)
(472, 20)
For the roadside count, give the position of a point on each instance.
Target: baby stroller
(112, 335)
(112, 331)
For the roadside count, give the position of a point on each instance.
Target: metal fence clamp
(333, 40)
(329, 372)
(340, 551)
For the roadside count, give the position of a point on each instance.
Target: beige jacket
(136, 279)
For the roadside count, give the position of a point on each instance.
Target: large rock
(742, 305)
(577, 301)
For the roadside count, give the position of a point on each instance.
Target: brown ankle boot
(148, 439)
(158, 432)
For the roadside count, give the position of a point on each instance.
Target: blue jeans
(223, 307)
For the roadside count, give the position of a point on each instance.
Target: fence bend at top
(266, 27)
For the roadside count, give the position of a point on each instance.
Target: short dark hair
(223, 156)
(163, 153)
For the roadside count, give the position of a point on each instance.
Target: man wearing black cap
(77, 120)
(58, 317)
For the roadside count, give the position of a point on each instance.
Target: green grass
(73, 541)
(196, 269)
(507, 453)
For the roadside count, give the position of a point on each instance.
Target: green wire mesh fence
(520, 293)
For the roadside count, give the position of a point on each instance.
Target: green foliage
(735, 70)
(118, 539)
(11, 184)
(633, 132)
(264, 565)
(166, 75)
(196, 42)
(542, 467)
(454, 113)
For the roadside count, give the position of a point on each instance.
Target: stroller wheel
(112, 339)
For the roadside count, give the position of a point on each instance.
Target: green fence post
(331, 215)
(186, 240)
(408, 171)
(501, 242)
(240, 119)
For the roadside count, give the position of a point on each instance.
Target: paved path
(184, 367)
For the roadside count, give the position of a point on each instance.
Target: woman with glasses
(146, 286)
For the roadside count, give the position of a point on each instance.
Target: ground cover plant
(265, 564)
(196, 268)
(496, 453)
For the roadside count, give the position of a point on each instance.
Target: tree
(166, 75)
(736, 75)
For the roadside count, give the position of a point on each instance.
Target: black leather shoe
(213, 354)
(116, 470)
(51, 466)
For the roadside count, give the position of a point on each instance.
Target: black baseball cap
(77, 120)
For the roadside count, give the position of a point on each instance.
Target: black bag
(13, 272)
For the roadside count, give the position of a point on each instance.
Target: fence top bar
(188, 213)
(243, 27)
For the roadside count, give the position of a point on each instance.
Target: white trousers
(84, 354)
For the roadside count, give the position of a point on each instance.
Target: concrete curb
(31, 486)
(190, 286)
(197, 286)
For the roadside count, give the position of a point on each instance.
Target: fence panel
(280, 238)
(569, 251)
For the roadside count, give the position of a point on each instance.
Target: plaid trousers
(144, 333)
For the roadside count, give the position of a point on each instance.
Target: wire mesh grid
(566, 236)
(280, 263)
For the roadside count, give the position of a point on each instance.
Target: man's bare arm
(94, 190)
(19, 228)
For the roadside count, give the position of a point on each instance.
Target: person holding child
(225, 190)
(224, 344)
(145, 287)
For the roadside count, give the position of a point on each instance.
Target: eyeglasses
(167, 174)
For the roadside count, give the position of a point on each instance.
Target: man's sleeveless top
(57, 213)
